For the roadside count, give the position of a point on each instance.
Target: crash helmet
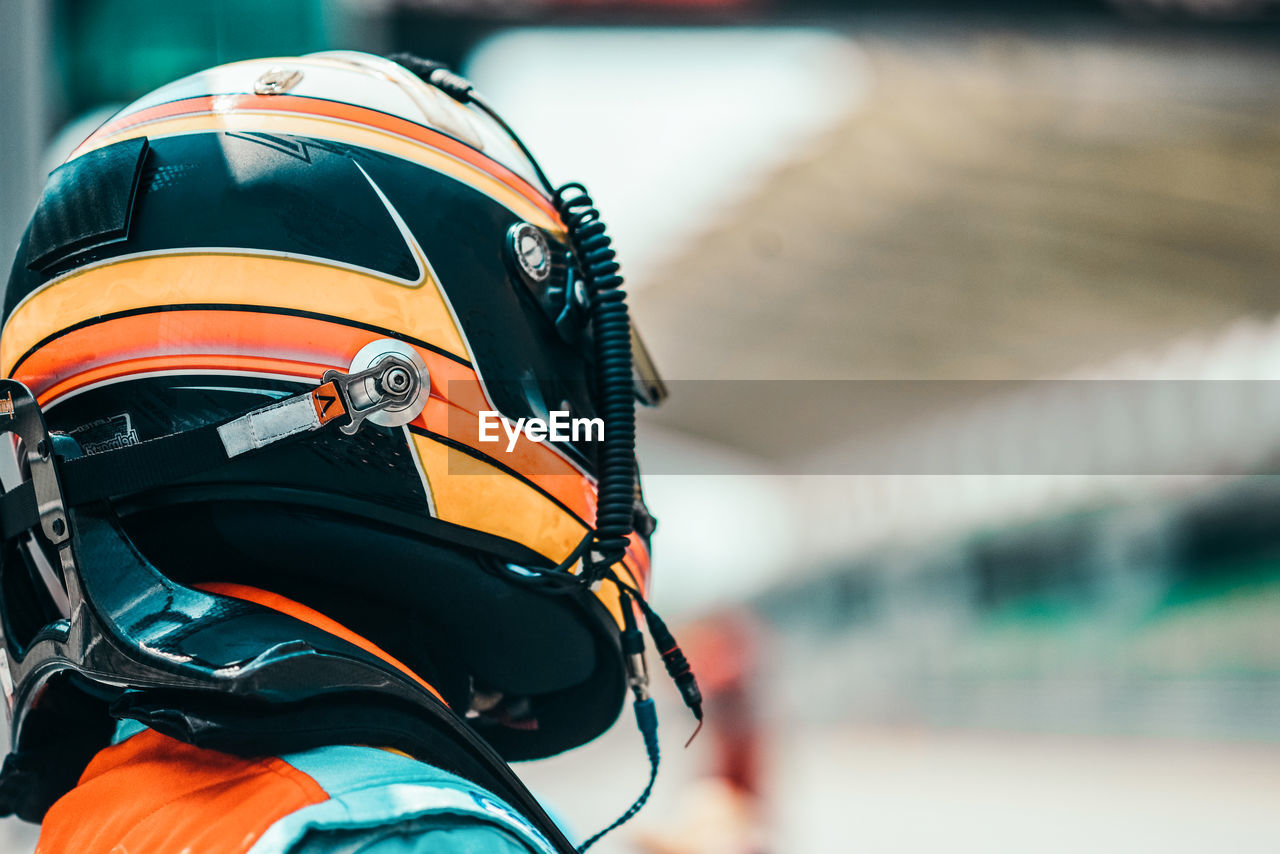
(320, 397)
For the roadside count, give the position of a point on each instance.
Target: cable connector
(438, 75)
(677, 665)
(646, 711)
(647, 721)
(633, 652)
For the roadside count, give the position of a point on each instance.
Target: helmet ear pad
(439, 609)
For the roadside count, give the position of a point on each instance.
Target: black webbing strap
(157, 462)
(118, 472)
(146, 465)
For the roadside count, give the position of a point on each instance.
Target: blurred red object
(724, 651)
(722, 813)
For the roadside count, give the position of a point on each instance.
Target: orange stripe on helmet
(176, 363)
(284, 345)
(189, 332)
(257, 342)
(328, 109)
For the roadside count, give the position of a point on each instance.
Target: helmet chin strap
(388, 388)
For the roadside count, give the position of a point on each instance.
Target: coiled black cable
(611, 324)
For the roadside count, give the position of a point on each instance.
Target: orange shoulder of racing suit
(151, 794)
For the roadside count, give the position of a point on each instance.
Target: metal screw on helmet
(396, 381)
(277, 81)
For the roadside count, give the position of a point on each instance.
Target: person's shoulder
(433, 836)
(381, 802)
(148, 790)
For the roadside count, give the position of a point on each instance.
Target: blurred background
(971, 311)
